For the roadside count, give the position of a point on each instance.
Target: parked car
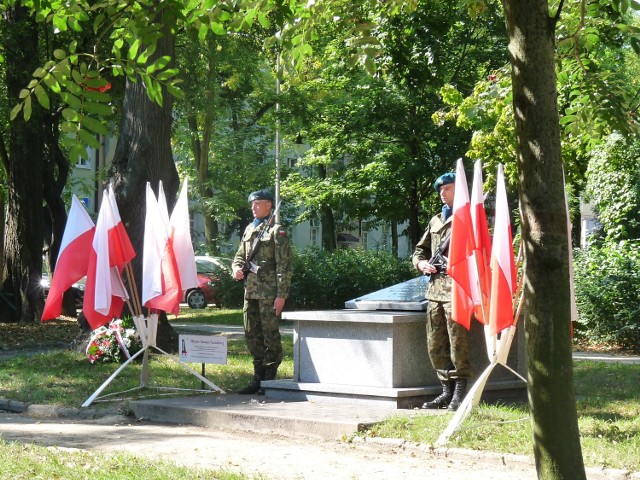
(77, 288)
(209, 271)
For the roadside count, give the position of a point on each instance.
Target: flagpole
(134, 289)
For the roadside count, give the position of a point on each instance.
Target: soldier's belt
(267, 267)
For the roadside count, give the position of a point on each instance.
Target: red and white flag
(121, 251)
(111, 250)
(461, 259)
(503, 270)
(161, 288)
(73, 258)
(180, 236)
(481, 277)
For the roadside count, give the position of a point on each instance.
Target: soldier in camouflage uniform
(446, 339)
(267, 277)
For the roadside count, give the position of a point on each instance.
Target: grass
(208, 316)
(608, 395)
(30, 462)
(67, 378)
(608, 405)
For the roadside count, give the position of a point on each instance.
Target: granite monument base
(380, 358)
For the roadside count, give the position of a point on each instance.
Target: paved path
(272, 457)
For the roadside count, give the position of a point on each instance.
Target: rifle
(249, 266)
(439, 260)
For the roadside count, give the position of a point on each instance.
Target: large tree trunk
(24, 232)
(143, 154)
(201, 146)
(544, 232)
(415, 232)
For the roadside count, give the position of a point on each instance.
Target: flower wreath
(116, 342)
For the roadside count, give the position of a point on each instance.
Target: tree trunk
(415, 232)
(329, 237)
(544, 232)
(394, 239)
(24, 230)
(201, 146)
(143, 154)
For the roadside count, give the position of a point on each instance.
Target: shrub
(326, 280)
(231, 292)
(607, 285)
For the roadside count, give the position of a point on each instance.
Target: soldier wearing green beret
(446, 339)
(263, 262)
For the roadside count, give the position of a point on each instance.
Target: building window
(314, 232)
(84, 163)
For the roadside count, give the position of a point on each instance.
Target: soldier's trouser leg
(447, 343)
(262, 333)
(272, 340)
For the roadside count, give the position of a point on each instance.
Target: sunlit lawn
(28, 462)
(608, 394)
(608, 404)
(67, 378)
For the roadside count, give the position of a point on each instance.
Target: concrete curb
(56, 411)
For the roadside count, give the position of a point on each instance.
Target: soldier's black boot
(442, 400)
(458, 394)
(270, 373)
(254, 386)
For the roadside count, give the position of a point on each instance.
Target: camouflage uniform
(273, 280)
(446, 339)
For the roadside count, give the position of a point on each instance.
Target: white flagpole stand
(472, 399)
(147, 329)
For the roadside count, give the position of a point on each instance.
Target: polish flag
(73, 258)
(480, 277)
(503, 270)
(180, 236)
(461, 259)
(111, 250)
(120, 249)
(161, 288)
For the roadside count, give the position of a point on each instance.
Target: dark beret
(444, 180)
(263, 194)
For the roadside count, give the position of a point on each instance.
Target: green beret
(444, 180)
(263, 194)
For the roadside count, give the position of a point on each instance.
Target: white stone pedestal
(378, 358)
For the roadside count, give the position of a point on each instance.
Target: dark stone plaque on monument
(409, 295)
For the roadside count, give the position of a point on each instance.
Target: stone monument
(374, 352)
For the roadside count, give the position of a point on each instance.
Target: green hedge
(326, 280)
(607, 283)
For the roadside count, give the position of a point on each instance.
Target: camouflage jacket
(439, 287)
(273, 256)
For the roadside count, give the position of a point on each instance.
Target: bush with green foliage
(613, 187)
(607, 285)
(326, 280)
(231, 292)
